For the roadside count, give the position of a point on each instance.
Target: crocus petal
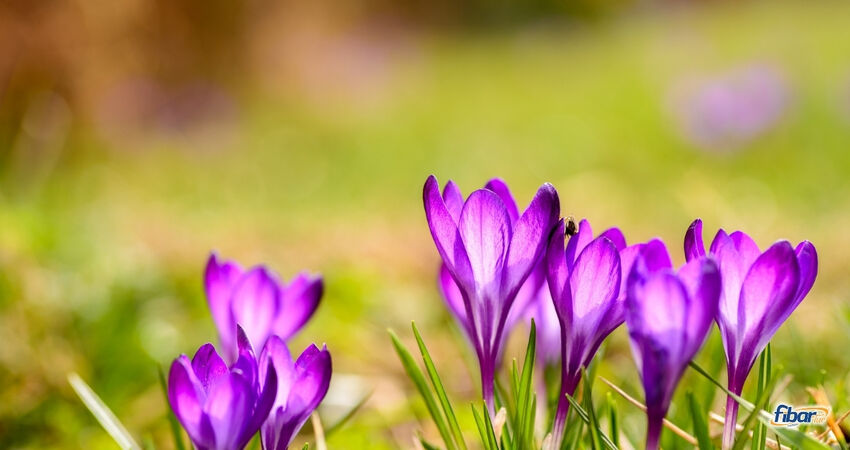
(747, 248)
(628, 256)
(256, 302)
(453, 199)
(444, 230)
(702, 279)
(313, 375)
(726, 255)
(595, 282)
(310, 384)
(578, 241)
(654, 257)
(529, 237)
(276, 354)
(615, 235)
(657, 314)
(556, 265)
(208, 366)
(228, 407)
(185, 396)
(694, 247)
(265, 401)
(454, 298)
(767, 299)
(807, 259)
(485, 228)
(498, 186)
(246, 362)
(219, 279)
(299, 301)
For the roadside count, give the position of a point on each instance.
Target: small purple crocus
(585, 284)
(489, 254)
(302, 385)
(668, 315)
(221, 408)
(728, 110)
(258, 301)
(760, 291)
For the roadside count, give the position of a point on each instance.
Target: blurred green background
(136, 137)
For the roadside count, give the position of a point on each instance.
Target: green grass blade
(418, 379)
(485, 428)
(306, 447)
(593, 425)
(525, 396)
(613, 419)
(438, 387)
(700, 423)
(345, 418)
(760, 433)
(102, 413)
(585, 417)
(176, 431)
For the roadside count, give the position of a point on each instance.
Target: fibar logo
(787, 416)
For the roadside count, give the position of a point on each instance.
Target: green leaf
(102, 413)
(438, 387)
(172, 419)
(306, 446)
(427, 445)
(418, 379)
(700, 423)
(574, 404)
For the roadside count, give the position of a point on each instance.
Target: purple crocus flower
(728, 110)
(489, 254)
(258, 301)
(221, 408)
(585, 284)
(302, 385)
(668, 315)
(760, 291)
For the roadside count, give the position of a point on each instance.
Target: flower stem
(730, 423)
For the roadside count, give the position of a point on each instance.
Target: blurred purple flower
(258, 301)
(221, 408)
(302, 385)
(489, 250)
(731, 109)
(585, 282)
(669, 315)
(760, 291)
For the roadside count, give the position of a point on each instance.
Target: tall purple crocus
(489, 254)
(302, 385)
(221, 408)
(258, 301)
(760, 291)
(526, 297)
(585, 283)
(669, 315)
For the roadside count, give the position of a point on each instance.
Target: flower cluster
(497, 264)
(223, 406)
